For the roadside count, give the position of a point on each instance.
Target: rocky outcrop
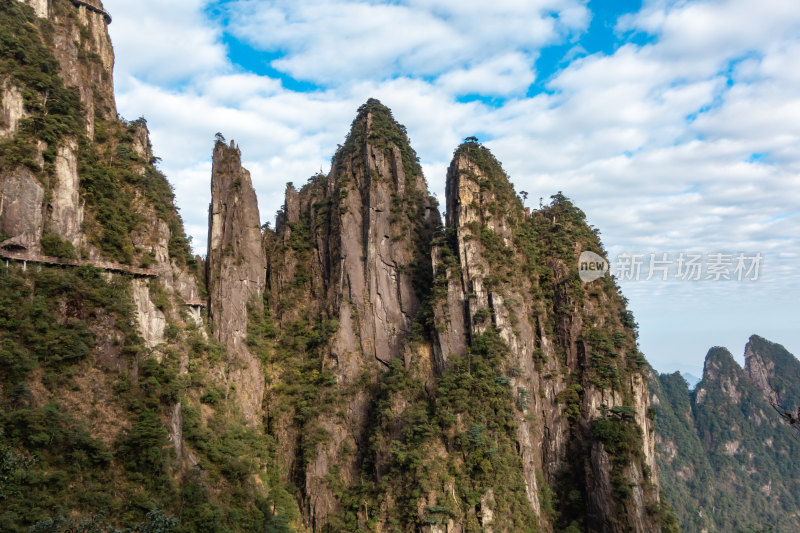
(65, 207)
(235, 270)
(360, 249)
(150, 319)
(21, 198)
(40, 7)
(13, 109)
(471, 305)
(83, 49)
(759, 371)
(773, 370)
(345, 250)
(372, 253)
(724, 452)
(484, 283)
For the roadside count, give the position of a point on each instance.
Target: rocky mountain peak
(772, 369)
(479, 190)
(719, 360)
(235, 268)
(724, 452)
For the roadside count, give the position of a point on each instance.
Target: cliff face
(504, 275)
(83, 49)
(725, 454)
(396, 350)
(79, 43)
(235, 270)
(347, 265)
(107, 352)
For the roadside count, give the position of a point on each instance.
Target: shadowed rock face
(235, 270)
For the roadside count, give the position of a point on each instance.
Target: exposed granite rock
(471, 307)
(141, 143)
(13, 109)
(235, 271)
(65, 206)
(484, 221)
(723, 450)
(364, 224)
(40, 7)
(21, 198)
(356, 248)
(760, 370)
(86, 57)
(150, 319)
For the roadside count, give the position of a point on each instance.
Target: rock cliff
(344, 265)
(387, 336)
(502, 277)
(235, 270)
(108, 349)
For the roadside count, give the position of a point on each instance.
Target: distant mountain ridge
(728, 462)
(691, 379)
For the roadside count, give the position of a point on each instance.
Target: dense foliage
(727, 461)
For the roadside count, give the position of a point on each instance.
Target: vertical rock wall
(86, 57)
(21, 198)
(65, 206)
(486, 289)
(235, 270)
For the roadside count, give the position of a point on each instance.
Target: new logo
(591, 266)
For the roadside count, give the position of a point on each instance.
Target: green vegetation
(539, 266)
(36, 335)
(59, 453)
(53, 245)
(89, 417)
(621, 437)
(46, 339)
(726, 460)
(472, 417)
(113, 176)
(56, 111)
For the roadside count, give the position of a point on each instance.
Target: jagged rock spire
(235, 268)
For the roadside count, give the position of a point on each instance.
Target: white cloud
(504, 75)
(333, 41)
(164, 42)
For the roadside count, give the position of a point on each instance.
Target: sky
(674, 125)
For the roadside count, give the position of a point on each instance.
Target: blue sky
(673, 124)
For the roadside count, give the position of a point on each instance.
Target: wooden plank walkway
(91, 6)
(105, 265)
